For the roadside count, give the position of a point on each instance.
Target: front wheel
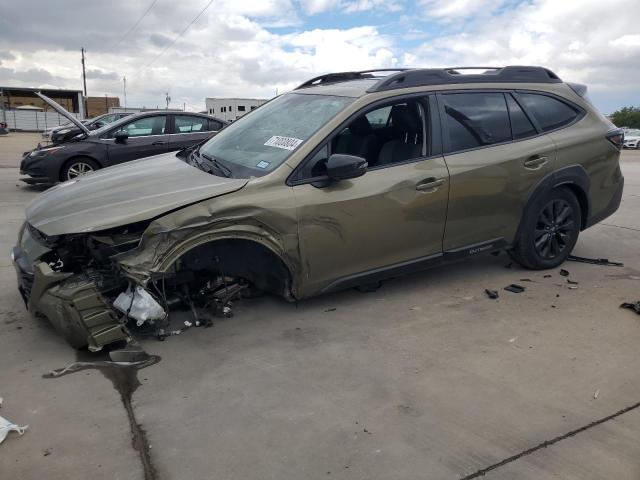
(77, 167)
(549, 231)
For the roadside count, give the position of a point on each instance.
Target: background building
(231, 108)
(99, 105)
(14, 97)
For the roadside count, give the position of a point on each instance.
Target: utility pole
(124, 86)
(4, 113)
(84, 80)
(106, 104)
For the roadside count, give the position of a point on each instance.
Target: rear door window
(476, 119)
(215, 125)
(549, 112)
(521, 126)
(188, 124)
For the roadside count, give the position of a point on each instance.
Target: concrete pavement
(424, 378)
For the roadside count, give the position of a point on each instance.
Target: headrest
(405, 120)
(360, 127)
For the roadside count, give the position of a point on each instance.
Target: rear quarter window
(549, 112)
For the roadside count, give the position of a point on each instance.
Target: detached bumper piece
(75, 305)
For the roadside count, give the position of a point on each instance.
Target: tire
(76, 167)
(549, 230)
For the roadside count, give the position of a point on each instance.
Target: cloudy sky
(251, 48)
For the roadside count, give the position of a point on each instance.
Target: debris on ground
(334, 309)
(514, 288)
(572, 282)
(564, 273)
(6, 426)
(548, 276)
(572, 287)
(526, 280)
(492, 294)
(635, 306)
(596, 394)
(595, 261)
(512, 340)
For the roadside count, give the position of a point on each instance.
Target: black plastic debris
(572, 282)
(526, 280)
(595, 261)
(564, 273)
(635, 306)
(547, 276)
(514, 288)
(493, 294)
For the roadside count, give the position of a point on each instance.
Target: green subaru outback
(350, 178)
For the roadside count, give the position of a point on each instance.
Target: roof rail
(344, 76)
(441, 76)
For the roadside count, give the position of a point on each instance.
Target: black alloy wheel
(554, 229)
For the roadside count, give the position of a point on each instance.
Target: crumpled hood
(124, 194)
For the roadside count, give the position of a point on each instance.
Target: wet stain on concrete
(124, 378)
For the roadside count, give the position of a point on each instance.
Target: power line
(175, 39)
(134, 25)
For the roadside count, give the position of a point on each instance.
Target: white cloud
(456, 9)
(580, 40)
(311, 7)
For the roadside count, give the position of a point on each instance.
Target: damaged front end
(76, 282)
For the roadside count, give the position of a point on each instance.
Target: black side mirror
(344, 167)
(121, 136)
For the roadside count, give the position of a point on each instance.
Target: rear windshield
(263, 139)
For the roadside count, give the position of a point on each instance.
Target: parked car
(67, 132)
(348, 179)
(632, 138)
(132, 137)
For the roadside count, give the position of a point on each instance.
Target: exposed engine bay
(76, 281)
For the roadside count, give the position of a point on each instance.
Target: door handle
(535, 162)
(430, 185)
(159, 142)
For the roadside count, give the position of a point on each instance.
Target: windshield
(632, 133)
(259, 142)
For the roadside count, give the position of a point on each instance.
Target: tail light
(616, 137)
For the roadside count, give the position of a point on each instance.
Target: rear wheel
(76, 167)
(549, 231)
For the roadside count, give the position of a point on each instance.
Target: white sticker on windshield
(263, 164)
(286, 143)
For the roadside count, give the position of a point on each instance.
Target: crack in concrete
(620, 226)
(547, 443)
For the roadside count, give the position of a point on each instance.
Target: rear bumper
(610, 209)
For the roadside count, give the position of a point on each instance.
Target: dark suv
(348, 179)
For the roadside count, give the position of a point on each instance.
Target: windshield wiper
(222, 168)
